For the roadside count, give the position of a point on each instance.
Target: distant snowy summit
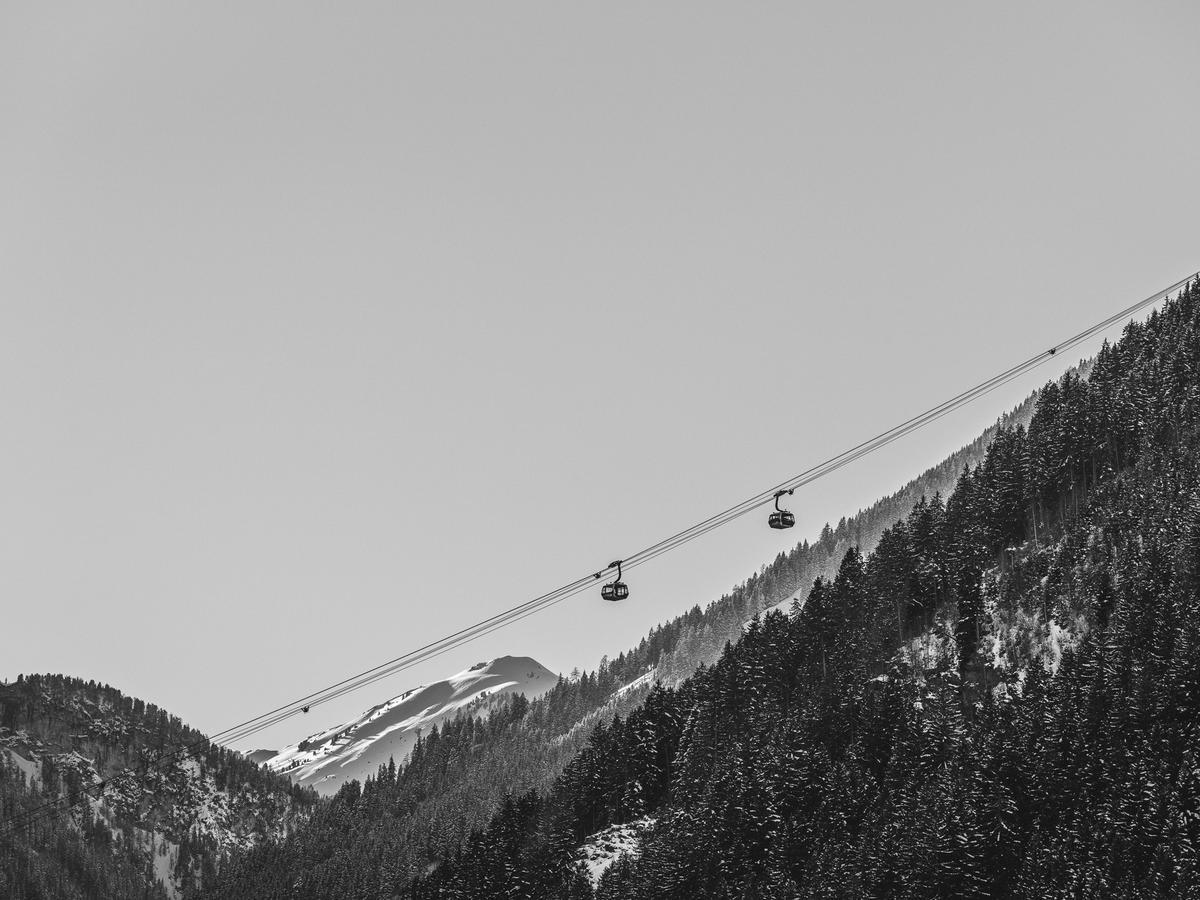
(327, 760)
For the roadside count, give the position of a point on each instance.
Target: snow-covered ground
(31, 769)
(356, 749)
(604, 848)
(646, 678)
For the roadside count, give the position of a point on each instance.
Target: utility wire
(515, 614)
(279, 714)
(894, 433)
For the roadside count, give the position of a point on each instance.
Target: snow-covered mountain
(356, 749)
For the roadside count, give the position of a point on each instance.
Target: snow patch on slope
(645, 678)
(31, 769)
(1021, 639)
(604, 848)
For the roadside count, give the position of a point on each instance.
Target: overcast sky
(328, 329)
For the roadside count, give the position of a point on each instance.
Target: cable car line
(379, 676)
(421, 654)
(904, 428)
(232, 735)
(522, 611)
(530, 607)
(840, 464)
(96, 789)
(279, 714)
(615, 590)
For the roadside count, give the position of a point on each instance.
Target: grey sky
(329, 329)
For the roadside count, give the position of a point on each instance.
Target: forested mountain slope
(700, 637)
(388, 829)
(1003, 699)
(158, 835)
(461, 773)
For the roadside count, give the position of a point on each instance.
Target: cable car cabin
(781, 519)
(616, 590)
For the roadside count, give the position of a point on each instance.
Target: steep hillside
(461, 773)
(162, 833)
(1002, 700)
(388, 828)
(699, 637)
(387, 732)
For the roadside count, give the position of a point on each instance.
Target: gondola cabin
(781, 519)
(616, 590)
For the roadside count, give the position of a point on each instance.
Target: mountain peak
(328, 759)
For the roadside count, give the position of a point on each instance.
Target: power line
(521, 611)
